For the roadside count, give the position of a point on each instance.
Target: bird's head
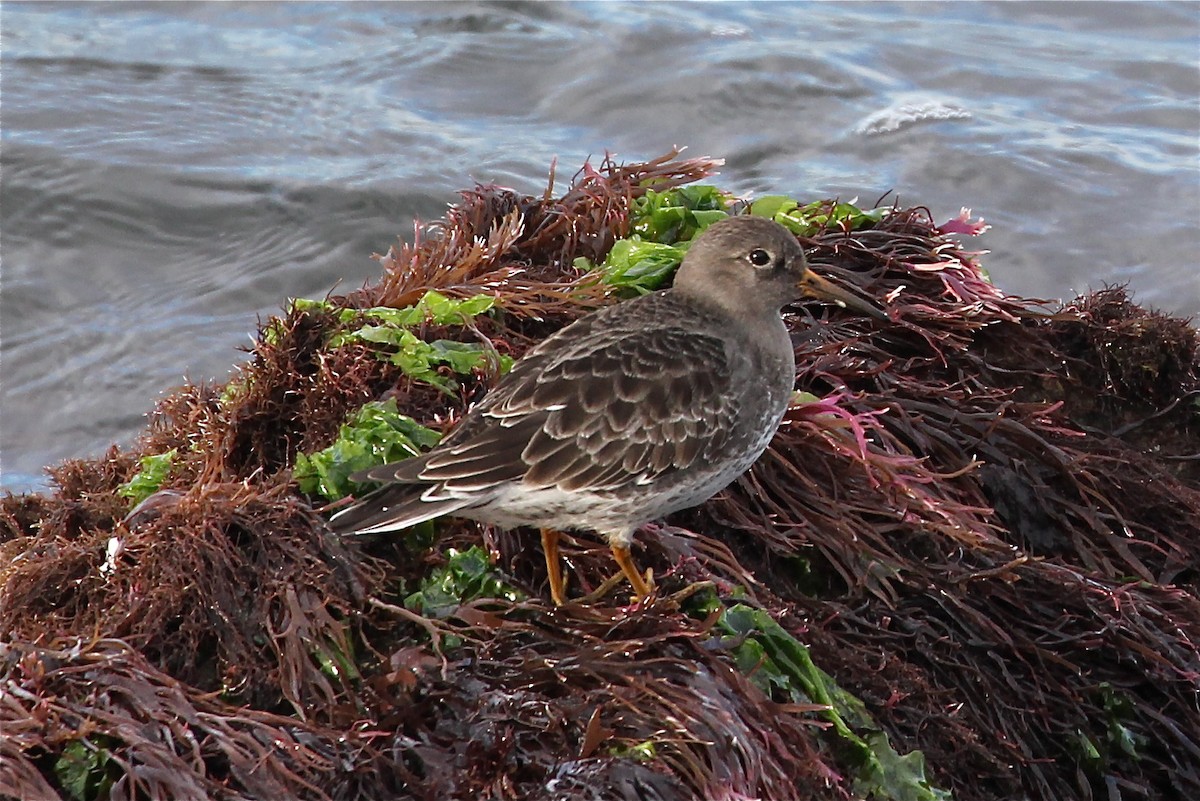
(755, 266)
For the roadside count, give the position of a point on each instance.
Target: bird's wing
(599, 409)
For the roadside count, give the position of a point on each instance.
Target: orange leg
(621, 553)
(553, 566)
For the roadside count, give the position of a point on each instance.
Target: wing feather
(613, 399)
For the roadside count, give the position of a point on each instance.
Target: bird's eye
(759, 257)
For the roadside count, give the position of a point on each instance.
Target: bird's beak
(814, 286)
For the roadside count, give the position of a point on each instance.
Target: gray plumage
(630, 413)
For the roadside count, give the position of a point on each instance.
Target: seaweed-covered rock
(965, 568)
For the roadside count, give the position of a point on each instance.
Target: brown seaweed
(982, 519)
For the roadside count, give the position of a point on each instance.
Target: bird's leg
(553, 566)
(621, 553)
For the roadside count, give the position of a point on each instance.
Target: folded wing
(592, 408)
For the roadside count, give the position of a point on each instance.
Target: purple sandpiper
(630, 413)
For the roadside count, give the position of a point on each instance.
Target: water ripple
(172, 172)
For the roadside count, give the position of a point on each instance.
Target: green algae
(677, 215)
(433, 308)
(1097, 753)
(466, 576)
(420, 360)
(663, 225)
(86, 769)
(150, 478)
(779, 664)
(376, 434)
(645, 751)
(335, 662)
(639, 267)
(812, 218)
(391, 338)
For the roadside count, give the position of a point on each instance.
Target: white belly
(615, 516)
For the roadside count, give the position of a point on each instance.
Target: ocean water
(170, 173)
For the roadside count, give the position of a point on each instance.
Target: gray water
(171, 172)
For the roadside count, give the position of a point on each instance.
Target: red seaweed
(981, 518)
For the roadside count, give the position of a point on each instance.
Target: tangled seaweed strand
(982, 518)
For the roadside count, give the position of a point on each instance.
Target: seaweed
(965, 566)
(466, 576)
(149, 479)
(376, 434)
(817, 216)
(775, 659)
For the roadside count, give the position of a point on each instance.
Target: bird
(628, 414)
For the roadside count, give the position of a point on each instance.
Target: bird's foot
(641, 584)
(610, 583)
(558, 582)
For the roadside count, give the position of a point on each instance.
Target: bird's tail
(393, 507)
